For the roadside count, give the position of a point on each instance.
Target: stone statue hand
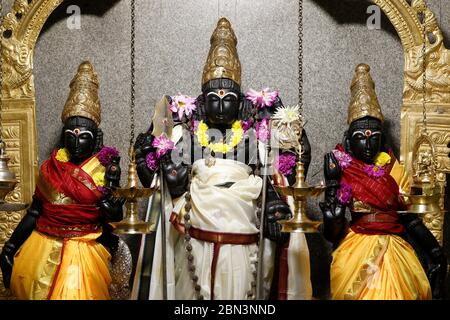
(108, 239)
(113, 172)
(331, 168)
(111, 207)
(142, 148)
(6, 263)
(332, 174)
(437, 272)
(19, 236)
(143, 145)
(275, 211)
(176, 176)
(332, 210)
(334, 221)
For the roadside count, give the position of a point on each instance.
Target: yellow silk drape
(51, 268)
(377, 267)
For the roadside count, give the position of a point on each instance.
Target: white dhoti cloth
(223, 210)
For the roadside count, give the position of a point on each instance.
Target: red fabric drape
(72, 219)
(382, 194)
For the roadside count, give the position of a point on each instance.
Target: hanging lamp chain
(133, 83)
(424, 71)
(300, 54)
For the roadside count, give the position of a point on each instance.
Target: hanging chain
(300, 54)
(424, 70)
(133, 91)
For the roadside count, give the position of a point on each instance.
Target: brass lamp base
(422, 204)
(305, 226)
(127, 226)
(300, 192)
(132, 224)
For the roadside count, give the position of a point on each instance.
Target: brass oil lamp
(7, 178)
(300, 192)
(8, 182)
(287, 127)
(424, 195)
(132, 224)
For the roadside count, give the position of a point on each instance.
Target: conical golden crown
(223, 59)
(364, 101)
(83, 100)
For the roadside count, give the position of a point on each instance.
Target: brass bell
(424, 195)
(300, 192)
(132, 224)
(8, 182)
(7, 178)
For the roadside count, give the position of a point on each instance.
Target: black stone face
(364, 138)
(221, 106)
(79, 138)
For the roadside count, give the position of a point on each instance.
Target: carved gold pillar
(19, 30)
(409, 23)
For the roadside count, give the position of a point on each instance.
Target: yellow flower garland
(99, 179)
(62, 155)
(382, 159)
(219, 147)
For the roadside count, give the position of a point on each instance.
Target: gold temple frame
(21, 27)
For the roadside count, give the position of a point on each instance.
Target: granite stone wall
(171, 48)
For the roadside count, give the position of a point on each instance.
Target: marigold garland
(63, 155)
(220, 147)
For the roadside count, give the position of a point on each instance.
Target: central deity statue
(216, 190)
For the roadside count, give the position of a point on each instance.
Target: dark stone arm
(111, 207)
(422, 237)
(176, 175)
(19, 236)
(276, 210)
(143, 147)
(108, 239)
(335, 224)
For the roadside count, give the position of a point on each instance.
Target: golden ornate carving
(83, 98)
(223, 60)
(410, 21)
(437, 63)
(404, 20)
(364, 101)
(19, 30)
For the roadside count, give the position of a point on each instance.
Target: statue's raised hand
(334, 221)
(275, 211)
(112, 173)
(142, 148)
(111, 207)
(331, 168)
(176, 176)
